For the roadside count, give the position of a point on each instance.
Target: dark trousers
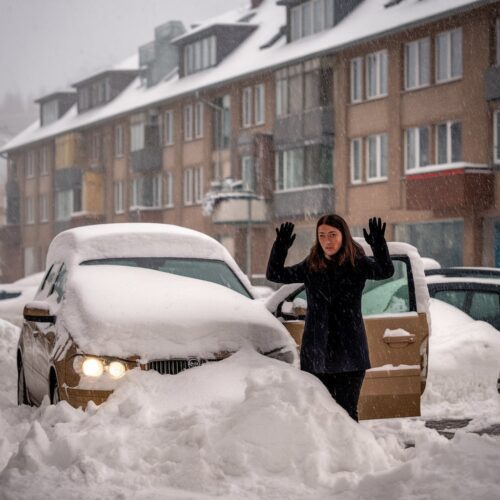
(344, 388)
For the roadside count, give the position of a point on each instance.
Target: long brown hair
(348, 252)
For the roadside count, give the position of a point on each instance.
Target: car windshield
(214, 271)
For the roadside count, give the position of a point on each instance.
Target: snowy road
(249, 428)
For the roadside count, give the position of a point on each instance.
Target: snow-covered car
(14, 296)
(473, 290)
(151, 296)
(397, 322)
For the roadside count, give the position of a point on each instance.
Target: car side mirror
(39, 312)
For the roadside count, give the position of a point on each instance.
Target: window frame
(168, 127)
(260, 104)
(188, 123)
(199, 111)
(119, 140)
(449, 142)
(168, 191)
(356, 83)
(496, 137)
(30, 210)
(381, 79)
(43, 203)
(198, 185)
(378, 158)
(353, 142)
(447, 35)
(118, 199)
(417, 144)
(418, 70)
(246, 107)
(188, 186)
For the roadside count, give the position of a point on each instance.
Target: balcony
(492, 83)
(307, 126)
(149, 159)
(240, 210)
(304, 202)
(442, 187)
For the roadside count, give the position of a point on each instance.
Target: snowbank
(464, 362)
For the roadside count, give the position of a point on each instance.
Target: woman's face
(330, 239)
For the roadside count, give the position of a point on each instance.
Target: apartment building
(285, 111)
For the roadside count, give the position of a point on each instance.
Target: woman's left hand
(377, 230)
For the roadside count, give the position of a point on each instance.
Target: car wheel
(54, 391)
(22, 393)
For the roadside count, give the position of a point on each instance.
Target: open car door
(397, 334)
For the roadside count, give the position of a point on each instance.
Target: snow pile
(464, 363)
(246, 426)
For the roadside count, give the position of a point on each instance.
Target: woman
(334, 346)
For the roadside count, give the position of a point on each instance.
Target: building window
(498, 40)
(200, 55)
(198, 184)
(417, 64)
(248, 173)
(119, 146)
(188, 123)
(44, 160)
(30, 261)
(168, 127)
(496, 138)
(44, 207)
(312, 84)
(260, 104)
(30, 164)
(168, 190)
(247, 107)
(376, 74)
(376, 157)
(301, 167)
(311, 17)
(137, 130)
(50, 112)
(222, 122)
(356, 79)
(64, 205)
(281, 93)
(449, 55)
(356, 160)
(30, 210)
(188, 186)
(416, 147)
(448, 142)
(118, 197)
(95, 149)
(146, 191)
(198, 120)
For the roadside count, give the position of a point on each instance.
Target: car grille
(174, 366)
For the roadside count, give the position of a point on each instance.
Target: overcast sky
(47, 45)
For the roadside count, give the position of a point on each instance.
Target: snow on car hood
(123, 311)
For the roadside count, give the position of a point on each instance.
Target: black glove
(284, 236)
(377, 230)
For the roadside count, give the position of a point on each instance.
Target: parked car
(14, 296)
(474, 290)
(396, 317)
(116, 297)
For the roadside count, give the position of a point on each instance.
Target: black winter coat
(334, 338)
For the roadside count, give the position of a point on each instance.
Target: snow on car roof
(439, 278)
(79, 244)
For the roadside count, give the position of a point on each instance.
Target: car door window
(456, 298)
(392, 295)
(485, 306)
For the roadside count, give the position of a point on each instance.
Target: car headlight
(94, 367)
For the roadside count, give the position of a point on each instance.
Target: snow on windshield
(125, 311)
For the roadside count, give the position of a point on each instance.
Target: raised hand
(377, 230)
(284, 236)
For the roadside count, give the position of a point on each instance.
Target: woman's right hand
(284, 236)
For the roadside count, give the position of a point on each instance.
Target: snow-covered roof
(136, 240)
(369, 20)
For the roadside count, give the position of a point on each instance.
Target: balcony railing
(149, 159)
(457, 185)
(304, 201)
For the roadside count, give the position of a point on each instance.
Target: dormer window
(200, 55)
(311, 17)
(50, 112)
(55, 105)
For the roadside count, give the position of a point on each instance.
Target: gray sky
(47, 45)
